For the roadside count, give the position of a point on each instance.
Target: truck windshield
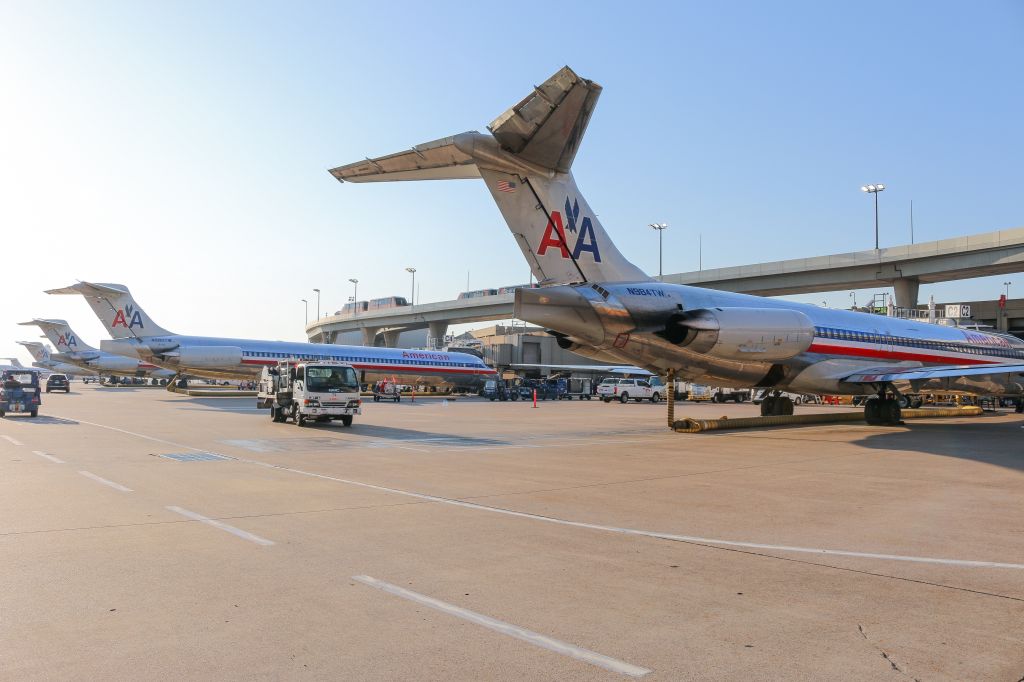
(331, 380)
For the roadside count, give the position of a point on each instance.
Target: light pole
(853, 294)
(306, 304)
(412, 294)
(874, 189)
(1007, 285)
(355, 295)
(660, 227)
(317, 303)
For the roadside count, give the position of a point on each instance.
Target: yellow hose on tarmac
(690, 425)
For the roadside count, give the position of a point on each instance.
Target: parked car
(736, 395)
(58, 382)
(629, 389)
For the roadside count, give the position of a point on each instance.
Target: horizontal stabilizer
(546, 127)
(437, 160)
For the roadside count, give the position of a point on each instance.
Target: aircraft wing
(996, 379)
(437, 160)
(603, 369)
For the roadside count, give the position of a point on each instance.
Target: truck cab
(319, 391)
(19, 392)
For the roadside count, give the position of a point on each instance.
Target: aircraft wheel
(767, 406)
(624, 398)
(783, 406)
(903, 401)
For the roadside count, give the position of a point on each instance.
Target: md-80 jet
(71, 349)
(43, 359)
(600, 305)
(136, 335)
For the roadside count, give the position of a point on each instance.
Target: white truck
(316, 390)
(625, 390)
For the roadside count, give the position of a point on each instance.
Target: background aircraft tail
(526, 163)
(38, 351)
(15, 362)
(60, 334)
(114, 305)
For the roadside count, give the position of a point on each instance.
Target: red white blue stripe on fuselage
(974, 349)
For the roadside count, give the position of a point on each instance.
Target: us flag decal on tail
(506, 186)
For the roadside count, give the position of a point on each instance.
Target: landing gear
(776, 406)
(885, 410)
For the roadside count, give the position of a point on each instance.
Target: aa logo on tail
(68, 340)
(554, 233)
(127, 317)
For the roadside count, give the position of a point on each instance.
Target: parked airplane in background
(600, 305)
(41, 354)
(73, 350)
(136, 335)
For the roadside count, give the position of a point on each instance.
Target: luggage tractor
(19, 391)
(319, 391)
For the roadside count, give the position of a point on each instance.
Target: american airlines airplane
(71, 349)
(42, 359)
(600, 305)
(136, 335)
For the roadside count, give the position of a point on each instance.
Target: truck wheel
(33, 413)
(346, 420)
(300, 419)
(2, 414)
(656, 398)
(740, 398)
(624, 398)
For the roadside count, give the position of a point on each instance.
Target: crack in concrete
(885, 654)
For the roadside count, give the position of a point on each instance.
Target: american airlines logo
(554, 233)
(68, 340)
(127, 317)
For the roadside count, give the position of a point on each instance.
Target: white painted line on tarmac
(535, 638)
(12, 441)
(115, 486)
(245, 535)
(963, 563)
(55, 460)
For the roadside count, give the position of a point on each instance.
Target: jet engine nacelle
(568, 343)
(114, 363)
(209, 356)
(743, 334)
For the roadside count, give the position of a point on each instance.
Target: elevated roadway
(902, 267)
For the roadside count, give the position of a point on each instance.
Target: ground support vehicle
(567, 389)
(320, 391)
(625, 390)
(19, 392)
(383, 390)
(499, 389)
(736, 395)
(545, 390)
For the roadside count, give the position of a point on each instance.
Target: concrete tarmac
(147, 535)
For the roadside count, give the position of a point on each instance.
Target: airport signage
(957, 310)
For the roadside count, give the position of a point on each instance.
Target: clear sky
(182, 148)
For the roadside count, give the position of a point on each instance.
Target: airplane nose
(561, 308)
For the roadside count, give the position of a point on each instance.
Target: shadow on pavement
(1001, 444)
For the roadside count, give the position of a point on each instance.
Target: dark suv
(58, 382)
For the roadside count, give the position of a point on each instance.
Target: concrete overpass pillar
(370, 335)
(437, 330)
(391, 338)
(906, 291)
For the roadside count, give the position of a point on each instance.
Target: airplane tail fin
(114, 305)
(526, 163)
(38, 351)
(60, 334)
(15, 362)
